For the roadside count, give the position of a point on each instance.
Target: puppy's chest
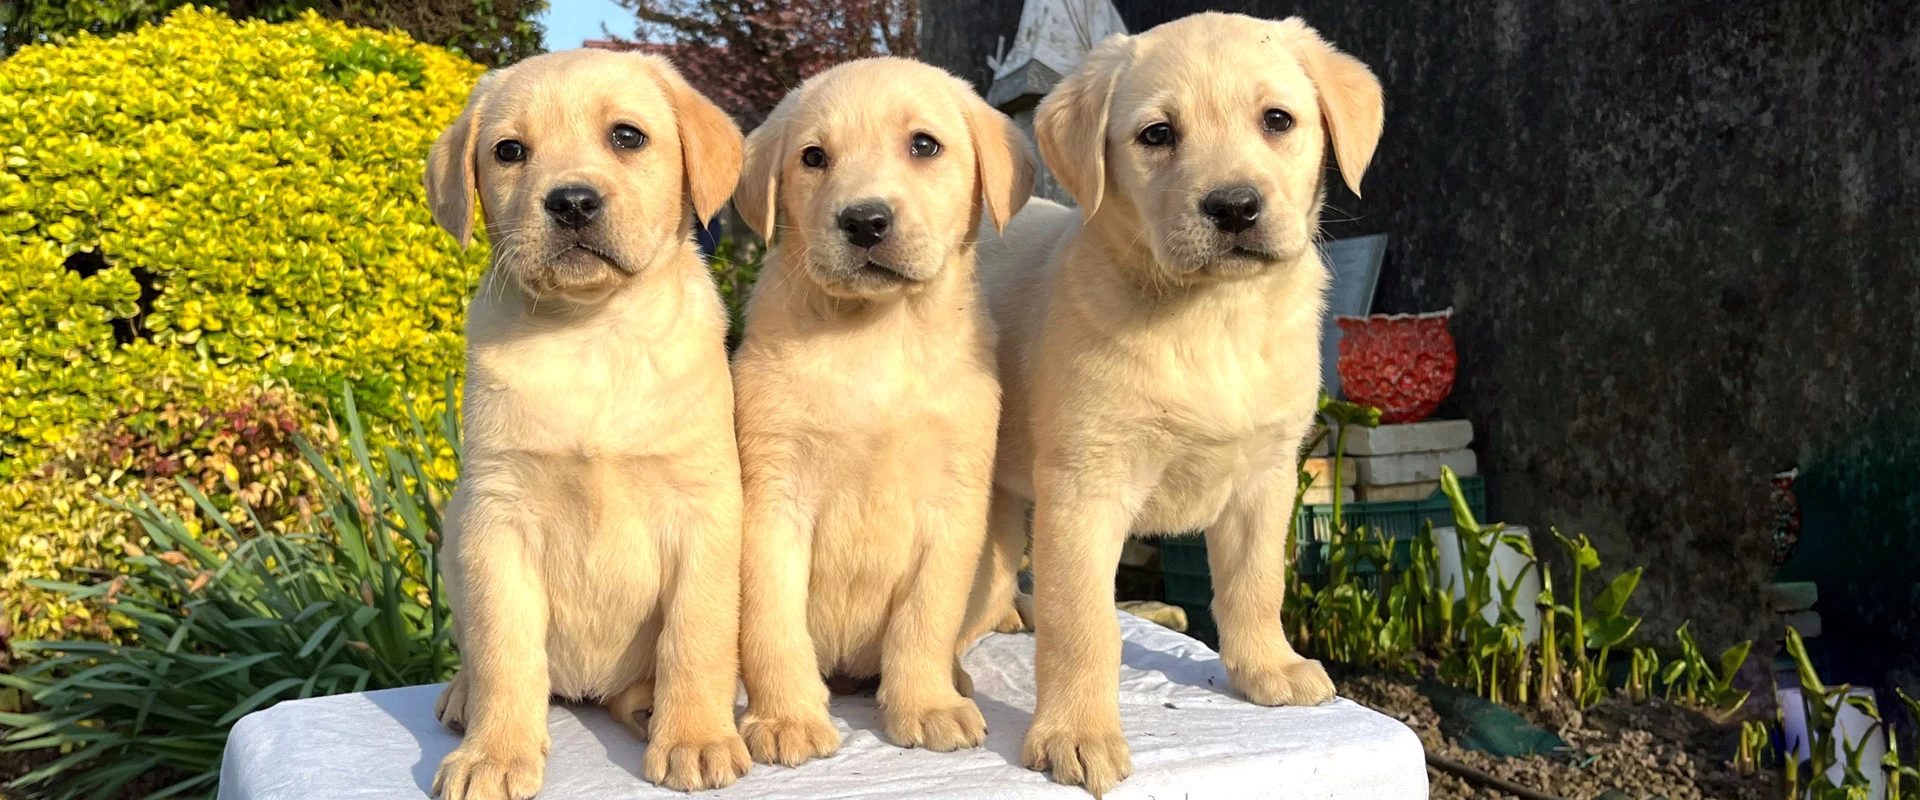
(887, 390)
(1223, 392)
(1237, 408)
(584, 400)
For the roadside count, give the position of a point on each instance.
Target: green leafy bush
(492, 32)
(190, 208)
(208, 199)
(349, 601)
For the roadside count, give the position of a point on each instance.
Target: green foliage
(735, 266)
(1693, 679)
(235, 443)
(1756, 746)
(1822, 704)
(1337, 415)
(208, 200)
(492, 32)
(191, 208)
(351, 601)
(1379, 609)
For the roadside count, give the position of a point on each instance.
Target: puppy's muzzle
(1233, 209)
(573, 207)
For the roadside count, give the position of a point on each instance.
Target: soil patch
(1641, 749)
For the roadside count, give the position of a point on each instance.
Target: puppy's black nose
(1233, 209)
(866, 223)
(573, 206)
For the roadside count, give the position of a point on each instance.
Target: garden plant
(167, 252)
(347, 601)
(1382, 605)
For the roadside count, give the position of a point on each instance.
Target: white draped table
(1192, 739)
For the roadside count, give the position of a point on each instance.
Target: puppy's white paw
(789, 739)
(451, 708)
(492, 771)
(693, 761)
(1291, 682)
(1079, 756)
(939, 728)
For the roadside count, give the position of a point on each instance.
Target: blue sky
(570, 22)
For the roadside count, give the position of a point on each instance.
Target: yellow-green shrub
(194, 207)
(260, 183)
(235, 445)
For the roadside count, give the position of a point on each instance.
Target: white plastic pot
(1849, 726)
(1506, 565)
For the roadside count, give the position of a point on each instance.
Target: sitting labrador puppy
(867, 399)
(1161, 359)
(592, 547)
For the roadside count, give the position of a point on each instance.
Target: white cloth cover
(1191, 738)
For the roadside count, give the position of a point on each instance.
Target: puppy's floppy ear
(1071, 122)
(709, 143)
(1350, 101)
(758, 196)
(451, 166)
(1002, 159)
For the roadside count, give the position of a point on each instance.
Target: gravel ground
(1648, 749)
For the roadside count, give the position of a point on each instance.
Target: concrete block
(1398, 492)
(1322, 471)
(1806, 622)
(1790, 597)
(1323, 495)
(1430, 436)
(1414, 467)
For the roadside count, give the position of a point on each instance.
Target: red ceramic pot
(1401, 364)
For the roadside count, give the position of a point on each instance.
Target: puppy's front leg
(1247, 553)
(1081, 519)
(919, 701)
(503, 631)
(786, 720)
(693, 743)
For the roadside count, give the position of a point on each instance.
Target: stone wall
(1682, 242)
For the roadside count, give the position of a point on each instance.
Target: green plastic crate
(1183, 559)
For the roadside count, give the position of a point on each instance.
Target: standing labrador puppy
(1161, 358)
(867, 399)
(593, 546)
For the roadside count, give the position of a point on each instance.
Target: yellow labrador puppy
(867, 399)
(1160, 349)
(592, 548)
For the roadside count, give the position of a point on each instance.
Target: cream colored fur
(867, 402)
(592, 547)
(1159, 373)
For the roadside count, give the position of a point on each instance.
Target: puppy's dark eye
(1159, 134)
(924, 146)
(510, 152)
(813, 157)
(1277, 121)
(627, 137)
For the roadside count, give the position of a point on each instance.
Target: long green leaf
(1614, 598)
